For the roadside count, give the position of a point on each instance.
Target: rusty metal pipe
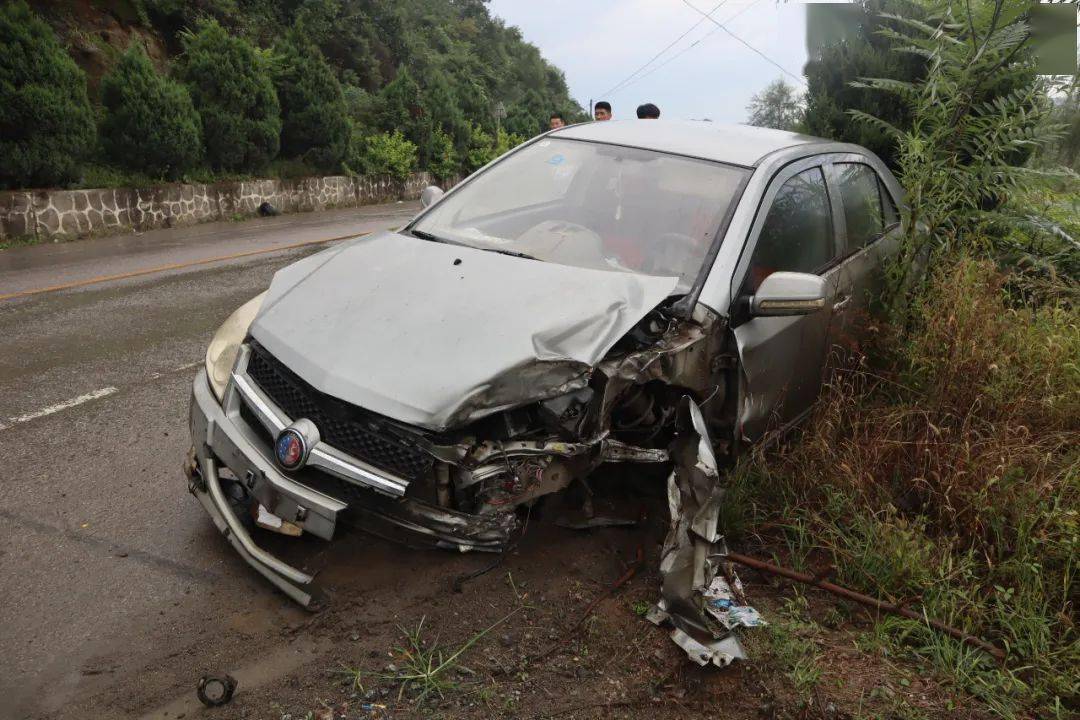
(843, 592)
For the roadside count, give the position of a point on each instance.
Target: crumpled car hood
(438, 335)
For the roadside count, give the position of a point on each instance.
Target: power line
(778, 66)
(693, 27)
(689, 47)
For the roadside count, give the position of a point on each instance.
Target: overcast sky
(598, 43)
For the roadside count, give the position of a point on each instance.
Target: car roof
(736, 144)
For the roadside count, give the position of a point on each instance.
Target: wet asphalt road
(107, 564)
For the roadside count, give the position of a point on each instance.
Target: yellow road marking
(175, 266)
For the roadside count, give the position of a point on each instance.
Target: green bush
(830, 93)
(481, 149)
(444, 160)
(231, 86)
(315, 125)
(505, 142)
(46, 125)
(150, 124)
(384, 154)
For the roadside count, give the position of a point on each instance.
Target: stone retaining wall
(59, 214)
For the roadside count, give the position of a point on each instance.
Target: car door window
(797, 235)
(861, 198)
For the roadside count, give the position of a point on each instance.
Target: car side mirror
(784, 294)
(430, 195)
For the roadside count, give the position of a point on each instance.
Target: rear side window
(797, 235)
(861, 197)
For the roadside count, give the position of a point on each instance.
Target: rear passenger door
(870, 231)
(782, 358)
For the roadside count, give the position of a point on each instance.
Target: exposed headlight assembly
(222, 351)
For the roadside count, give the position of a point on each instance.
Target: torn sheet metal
(420, 524)
(696, 596)
(718, 652)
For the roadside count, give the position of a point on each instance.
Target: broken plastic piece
(269, 521)
(745, 615)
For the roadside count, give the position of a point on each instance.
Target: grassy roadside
(946, 476)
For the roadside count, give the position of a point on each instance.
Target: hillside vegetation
(203, 89)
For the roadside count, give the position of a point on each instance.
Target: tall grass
(945, 473)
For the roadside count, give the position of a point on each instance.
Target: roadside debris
(268, 210)
(843, 592)
(696, 597)
(215, 690)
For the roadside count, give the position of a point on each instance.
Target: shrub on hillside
(384, 154)
(444, 160)
(483, 148)
(150, 124)
(46, 125)
(314, 119)
(231, 87)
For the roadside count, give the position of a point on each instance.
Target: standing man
(602, 110)
(556, 121)
(648, 111)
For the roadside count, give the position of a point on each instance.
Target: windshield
(593, 206)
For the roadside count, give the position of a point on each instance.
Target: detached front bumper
(220, 437)
(217, 439)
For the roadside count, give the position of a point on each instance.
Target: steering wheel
(670, 254)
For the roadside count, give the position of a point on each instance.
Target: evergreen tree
(150, 124)
(231, 86)
(402, 109)
(46, 125)
(315, 122)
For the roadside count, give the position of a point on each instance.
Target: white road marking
(97, 394)
(103, 392)
(181, 368)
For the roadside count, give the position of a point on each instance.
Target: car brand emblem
(294, 443)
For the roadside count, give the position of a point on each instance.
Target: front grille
(365, 435)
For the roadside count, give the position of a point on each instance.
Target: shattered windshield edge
(684, 305)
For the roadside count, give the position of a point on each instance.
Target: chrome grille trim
(322, 456)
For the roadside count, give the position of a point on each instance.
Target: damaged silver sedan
(633, 292)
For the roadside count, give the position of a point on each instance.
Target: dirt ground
(539, 658)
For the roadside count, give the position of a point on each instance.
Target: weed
(352, 676)
(798, 655)
(426, 668)
(520, 594)
(18, 241)
(641, 608)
